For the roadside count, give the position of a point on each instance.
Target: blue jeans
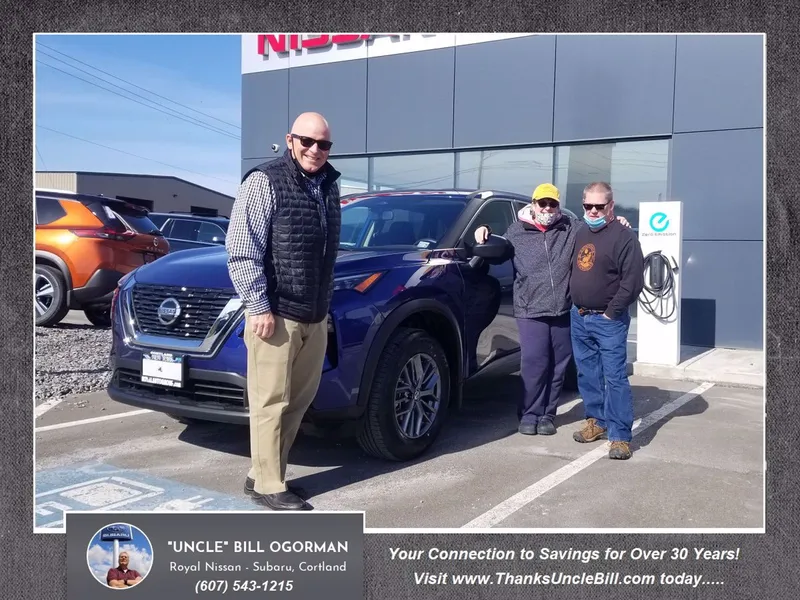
(600, 347)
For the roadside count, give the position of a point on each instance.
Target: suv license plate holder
(163, 368)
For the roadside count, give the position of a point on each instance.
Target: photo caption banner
(186, 555)
(557, 566)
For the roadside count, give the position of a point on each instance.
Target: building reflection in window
(413, 171)
(519, 170)
(637, 172)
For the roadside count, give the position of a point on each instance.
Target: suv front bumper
(209, 395)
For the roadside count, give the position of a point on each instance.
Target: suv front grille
(211, 394)
(199, 307)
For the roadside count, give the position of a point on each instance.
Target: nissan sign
(168, 311)
(284, 43)
(274, 51)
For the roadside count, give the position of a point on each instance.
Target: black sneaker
(528, 428)
(546, 427)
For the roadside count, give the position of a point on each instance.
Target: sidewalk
(724, 366)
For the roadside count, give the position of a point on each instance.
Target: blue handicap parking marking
(101, 487)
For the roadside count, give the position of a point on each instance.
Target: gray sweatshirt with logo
(542, 262)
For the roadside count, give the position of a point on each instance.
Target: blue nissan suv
(416, 313)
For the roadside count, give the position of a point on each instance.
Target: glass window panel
(209, 231)
(519, 170)
(637, 172)
(498, 215)
(413, 171)
(391, 220)
(354, 174)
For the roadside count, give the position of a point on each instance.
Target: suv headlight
(360, 283)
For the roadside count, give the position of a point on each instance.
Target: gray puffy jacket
(542, 262)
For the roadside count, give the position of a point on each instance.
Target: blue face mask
(594, 223)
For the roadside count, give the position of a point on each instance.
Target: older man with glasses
(282, 243)
(606, 278)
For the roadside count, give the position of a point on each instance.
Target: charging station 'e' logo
(659, 222)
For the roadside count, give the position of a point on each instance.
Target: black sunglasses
(547, 203)
(309, 141)
(599, 207)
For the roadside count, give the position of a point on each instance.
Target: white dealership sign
(274, 51)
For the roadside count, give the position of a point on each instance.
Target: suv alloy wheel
(409, 398)
(49, 296)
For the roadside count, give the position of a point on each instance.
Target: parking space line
(508, 507)
(45, 406)
(132, 413)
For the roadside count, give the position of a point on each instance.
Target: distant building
(157, 193)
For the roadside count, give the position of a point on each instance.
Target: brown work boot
(620, 451)
(591, 432)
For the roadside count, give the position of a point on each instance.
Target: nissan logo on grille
(169, 311)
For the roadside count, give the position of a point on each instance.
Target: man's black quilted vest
(299, 261)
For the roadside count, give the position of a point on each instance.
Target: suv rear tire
(50, 294)
(99, 316)
(381, 432)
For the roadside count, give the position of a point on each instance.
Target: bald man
(282, 243)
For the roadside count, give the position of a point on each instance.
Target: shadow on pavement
(488, 414)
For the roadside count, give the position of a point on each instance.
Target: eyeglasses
(598, 207)
(547, 203)
(309, 141)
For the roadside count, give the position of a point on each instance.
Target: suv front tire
(409, 397)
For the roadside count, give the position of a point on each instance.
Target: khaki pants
(283, 374)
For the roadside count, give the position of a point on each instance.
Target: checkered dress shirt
(248, 236)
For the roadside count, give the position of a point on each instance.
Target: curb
(738, 380)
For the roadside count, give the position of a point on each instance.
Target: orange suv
(84, 244)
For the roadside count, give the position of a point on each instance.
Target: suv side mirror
(493, 248)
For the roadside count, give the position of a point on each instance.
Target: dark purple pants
(546, 351)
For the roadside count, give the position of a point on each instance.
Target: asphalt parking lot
(697, 464)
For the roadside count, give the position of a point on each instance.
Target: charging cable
(658, 294)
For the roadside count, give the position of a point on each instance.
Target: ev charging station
(658, 339)
(119, 532)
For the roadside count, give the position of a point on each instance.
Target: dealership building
(660, 117)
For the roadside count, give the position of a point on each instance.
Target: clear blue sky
(200, 72)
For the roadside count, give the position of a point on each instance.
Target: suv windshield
(417, 221)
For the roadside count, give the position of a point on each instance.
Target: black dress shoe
(250, 488)
(282, 501)
(546, 427)
(528, 428)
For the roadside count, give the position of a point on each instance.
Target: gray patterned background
(768, 564)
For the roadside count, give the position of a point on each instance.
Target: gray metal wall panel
(719, 177)
(410, 101)
(504, 92)
(719, 82)
(265, 112)
(339, 92)
(723, 299)
(613, 86)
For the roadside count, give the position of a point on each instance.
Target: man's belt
(582, 311)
